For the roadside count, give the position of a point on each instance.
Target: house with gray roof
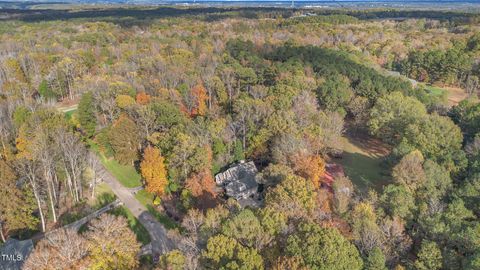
(239, 182)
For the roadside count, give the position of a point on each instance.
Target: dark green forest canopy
(366, 81)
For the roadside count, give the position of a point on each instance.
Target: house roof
(238, 179)
(240, 186)
(241, 172)
(14, 253)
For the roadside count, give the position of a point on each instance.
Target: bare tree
(471, 85)
(207, 71)
(228, 77)
(2, 235)
(63, 249)
(73, 155)
(30, 169)
(6, 126)
(105, 99)
(191, 242)
(305, 107)
(397, 242)
(145, 117)
(94, 165)
(45, 155)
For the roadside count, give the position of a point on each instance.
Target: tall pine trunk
(39, 205)
(50, 191)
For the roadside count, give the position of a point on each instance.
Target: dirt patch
(67, 105)
(455, 95)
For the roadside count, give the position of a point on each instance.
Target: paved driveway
(160, 241)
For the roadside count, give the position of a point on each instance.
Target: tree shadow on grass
(104, 199)
(365, 171)
(368, 144)
(168, 222)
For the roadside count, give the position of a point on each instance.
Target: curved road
(160, 242)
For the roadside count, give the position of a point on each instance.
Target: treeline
(129, 16)
(321, 19)
(328, 16)
(437, 66)
(455, 18)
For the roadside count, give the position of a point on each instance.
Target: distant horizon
(447, 5)
(325, 1)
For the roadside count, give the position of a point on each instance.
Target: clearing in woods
(362, 160)
(455, 95)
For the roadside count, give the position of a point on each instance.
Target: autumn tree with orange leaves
(153, 171)
(200, 183)
(201, 187)
(199, 100)
(310, 167)
(143, 98)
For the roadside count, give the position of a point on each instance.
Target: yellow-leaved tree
(111, 244)
(153, 171)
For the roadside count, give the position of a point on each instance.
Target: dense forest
(166, 99)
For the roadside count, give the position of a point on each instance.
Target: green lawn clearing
(144, 197)
(130, 178)
(126, 174)
(103, 196)
(451, 96)
(435, 90)
(69, 114)
(363, 163)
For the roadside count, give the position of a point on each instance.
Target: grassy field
(452, 95)
(144, 197)
(69, 114)
(362, 161)
(126, 174)
(434, 90)
(104, 195)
